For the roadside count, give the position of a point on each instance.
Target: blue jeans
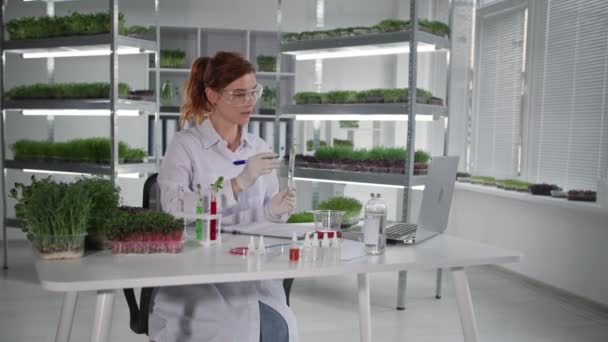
(273, 327)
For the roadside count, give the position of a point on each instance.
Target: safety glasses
(242, 97)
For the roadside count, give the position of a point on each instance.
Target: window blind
(569, 133)
(497, 110)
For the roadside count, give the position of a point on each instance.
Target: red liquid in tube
(294, 254)
(330, 233)
(213, 223)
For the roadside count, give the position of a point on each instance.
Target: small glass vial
(374, 233)
(294, 250)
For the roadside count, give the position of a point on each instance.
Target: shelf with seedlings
(266, 63)
(54, 215)
(376, 160)
(63, 36)
(91, 155)
(174, 59)
(350, 206)
(379, 165)
(538, 189)
(141, 231)
(390, 34)
(82, 96)
(366, 102)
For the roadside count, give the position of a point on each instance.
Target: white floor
(507, 309)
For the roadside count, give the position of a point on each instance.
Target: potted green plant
(484, 180)
(374, 96)
(290, 37)
(168, 93)
(95, 150)
(140, 231)
(267, 63)
(350, 206)
(137, 31)
(348, 124)
(543, 189)
(304, 217)
(59, 26)
(435, 27)
(582, 195)
(421, 162)
(269, 98)
(307, 97)
(343, 143)
(340, 96)
(54, 216)
(95, 90)
(172, 58)
(105, 198)
(392, 25)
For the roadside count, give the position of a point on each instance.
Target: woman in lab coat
(218, 99)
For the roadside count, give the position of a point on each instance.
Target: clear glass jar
(374, 232)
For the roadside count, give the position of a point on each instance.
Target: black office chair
(139, 313)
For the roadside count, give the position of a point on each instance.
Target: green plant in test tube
(215, 188)
(199, 211)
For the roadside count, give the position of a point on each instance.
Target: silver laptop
(434, 210)
(435, 206)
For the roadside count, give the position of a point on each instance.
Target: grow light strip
(416, 187)
(361, 117)
(57, 172)
(358, 52)
(77, 112)
(82, 53)
(134, 175)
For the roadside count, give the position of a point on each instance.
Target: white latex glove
(257, 165)
(282, 203)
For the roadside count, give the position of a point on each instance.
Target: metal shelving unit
(110, 44)
(408, 42)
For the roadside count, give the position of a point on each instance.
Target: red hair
(216, 73)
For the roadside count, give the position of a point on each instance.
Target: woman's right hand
(256, 166)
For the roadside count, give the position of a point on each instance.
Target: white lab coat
(216, 312)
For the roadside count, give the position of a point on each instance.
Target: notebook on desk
(271, 229)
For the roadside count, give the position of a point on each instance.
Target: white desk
(105, 273)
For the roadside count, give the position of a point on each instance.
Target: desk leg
(438, 285)
(401, 290)
(103, 316)
(364, 307)
(465, 305)
(64, 329)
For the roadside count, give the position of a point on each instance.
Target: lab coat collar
(210, 136)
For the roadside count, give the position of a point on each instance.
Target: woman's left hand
(282, 203)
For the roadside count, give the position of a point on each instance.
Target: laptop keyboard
(398, 231)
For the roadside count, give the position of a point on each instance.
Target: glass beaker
(328, 221)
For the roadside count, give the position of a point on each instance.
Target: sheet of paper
(270, 229)
(350, 250)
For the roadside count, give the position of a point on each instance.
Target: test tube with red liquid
(213, 221)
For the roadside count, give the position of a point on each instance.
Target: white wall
(562, 247)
